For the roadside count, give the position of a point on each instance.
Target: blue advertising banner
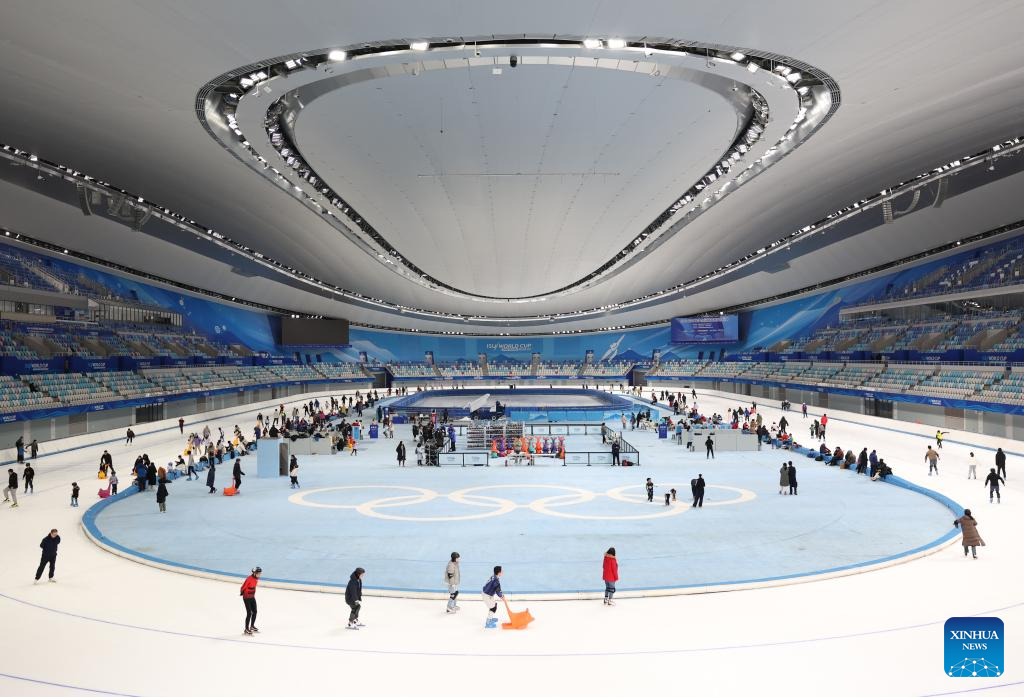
(723, 329)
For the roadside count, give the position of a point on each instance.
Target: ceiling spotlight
(419, 45)
(591, 43)
(793, 77)
(616, 43)
(337, 55)
(737, 56)
(752, 67)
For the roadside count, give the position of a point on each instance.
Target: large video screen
(314, 332)
(722, 329)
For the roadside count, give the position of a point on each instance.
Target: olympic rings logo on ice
(496, 506)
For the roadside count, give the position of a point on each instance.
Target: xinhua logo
(974, 647)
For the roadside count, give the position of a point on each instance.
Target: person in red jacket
(611, 575)
(248, 594)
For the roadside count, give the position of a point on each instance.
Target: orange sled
(230, 491)
(517, 620)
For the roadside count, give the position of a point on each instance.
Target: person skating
(452, 577)
(969, 527)
(491, 593)
(1001, 463)
(932, 458)
(972, 467)
(192, 465)
(113, 483)
(938, 438)
(792, 479)
(49, 557)
(784, 479)
(293, 472)
(237, 474)
(129, 436)
(354, 597)
(992, 481)
(610, 574)
(210, 476)
(20, 446)
(28, 476)
(649, 485)
(12, 488)
(697, 488)
(74, 494)
(181, 427)
(161, 494)
(400, 454)
(33, 449)
(710, 445)
(248, 593)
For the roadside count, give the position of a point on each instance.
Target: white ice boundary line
(527, 596)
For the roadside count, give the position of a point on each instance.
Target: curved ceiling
(520, 171)
(111, 91)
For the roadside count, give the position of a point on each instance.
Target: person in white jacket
(451, 579)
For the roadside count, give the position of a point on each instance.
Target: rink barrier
(945, 540)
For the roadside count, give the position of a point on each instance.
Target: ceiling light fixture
(337, 55)
(737, 56)
(591, 43)
(419, 45)
(616, 43)
(752, 67)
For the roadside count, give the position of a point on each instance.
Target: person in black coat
(400, 450)
(140, 474)
(210, 477)
(862, 462)
(792, 478)
(992, 482)
(161, 495)
(150, 472)
(237, 473)
(49, 547)
(615, 452)
(28, 477)
(697, 488)
(354, 597)
(1001, 463)
(710, 445)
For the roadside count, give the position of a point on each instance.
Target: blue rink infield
(548, 527)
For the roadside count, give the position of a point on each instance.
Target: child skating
(74, 494)
(491, 593)
(354, 597)
(451, 579)
(650, 490)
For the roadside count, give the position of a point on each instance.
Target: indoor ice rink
(511, 348)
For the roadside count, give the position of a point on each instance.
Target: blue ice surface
(839, 519)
